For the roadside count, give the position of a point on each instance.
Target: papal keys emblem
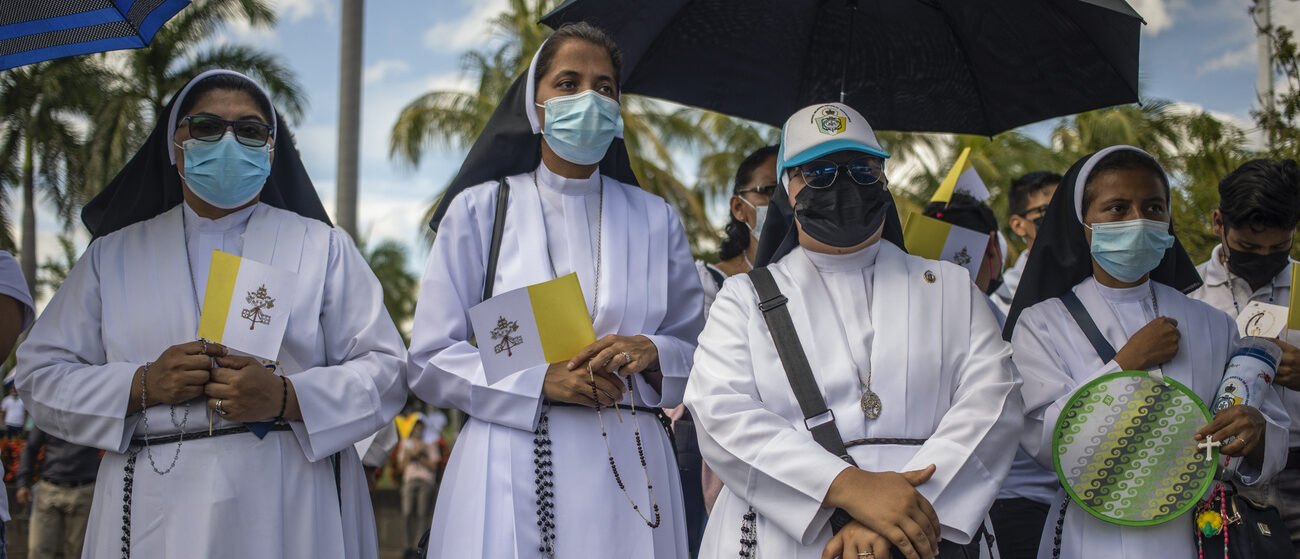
(503, 332)
(260, 301)
(830, 120)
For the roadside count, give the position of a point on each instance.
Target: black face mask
(1256, 269)
(844, 214)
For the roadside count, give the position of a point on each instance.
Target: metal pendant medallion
(870, 404)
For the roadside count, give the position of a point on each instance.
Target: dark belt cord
(133, 450)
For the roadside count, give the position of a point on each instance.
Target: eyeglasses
(251, 133)
(821, 173)
(764, 190)
(1036, 209)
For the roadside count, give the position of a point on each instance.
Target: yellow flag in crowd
(962, 177)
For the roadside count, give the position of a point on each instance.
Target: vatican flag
(1293, 318)
(246, 306)
(530, 326)
(962, 178)
(931, 238)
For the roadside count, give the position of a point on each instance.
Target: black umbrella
(964, 66)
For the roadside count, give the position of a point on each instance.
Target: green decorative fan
(1124, 451)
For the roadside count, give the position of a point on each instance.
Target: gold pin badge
(929, 276)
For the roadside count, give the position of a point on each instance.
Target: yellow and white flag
(530, 326)
(962, 177)
(1293, 317)
(931, 238)
(246, 306)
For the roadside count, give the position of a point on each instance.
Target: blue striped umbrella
(36, 30)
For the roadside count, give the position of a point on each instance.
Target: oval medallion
(870, 405)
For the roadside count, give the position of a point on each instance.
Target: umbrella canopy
(963, 66)
(36, 30)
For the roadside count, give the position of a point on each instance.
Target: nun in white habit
(1108, 239)
(873, 321)
(122, 330)
(530, 475)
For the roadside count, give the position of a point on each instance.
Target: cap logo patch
(830, 120)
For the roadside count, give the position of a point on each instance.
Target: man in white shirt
(1259, 207)
(1027, 205)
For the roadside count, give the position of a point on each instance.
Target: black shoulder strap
(1084, 320)
(817, 418)
(498, 228)
(718, 277)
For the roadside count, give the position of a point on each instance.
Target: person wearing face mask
(113, 362)
(1027, 205)
(544, 467)
(1259, 207)
(926, 409)
(1108, 244)
(755, 182)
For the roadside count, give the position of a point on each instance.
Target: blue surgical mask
(226, 173)
(1128, 250)
(579, 128)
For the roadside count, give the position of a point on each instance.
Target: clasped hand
(594, 376)
(248, 391)
(887, 510)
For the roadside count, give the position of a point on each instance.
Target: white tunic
(1231, 294)
(940, 368)
(648, 285)
(130, 297)
(1054, 357)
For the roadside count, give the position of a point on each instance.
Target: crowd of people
(818, 392)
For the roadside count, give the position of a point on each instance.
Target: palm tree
(40, 148)
(151, 75)
(388, 261)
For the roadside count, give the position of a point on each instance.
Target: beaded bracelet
(284, 398)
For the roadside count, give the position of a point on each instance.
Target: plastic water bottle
(1248, 374)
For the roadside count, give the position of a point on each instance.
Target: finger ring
(217, 408)
(866, 554)
(627, 358)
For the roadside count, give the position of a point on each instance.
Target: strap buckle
(828, 417)
(772, 303)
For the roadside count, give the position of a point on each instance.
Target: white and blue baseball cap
(817, 130)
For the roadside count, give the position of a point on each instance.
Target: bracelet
(284, 398)
(144, 391)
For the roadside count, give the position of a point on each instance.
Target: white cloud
(471, 29)
(1239, 59)
(1156, 14)
(384, 68)
(298, 10)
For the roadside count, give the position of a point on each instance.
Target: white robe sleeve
(361, 388)
(1047, 384)
(974, 443)
(778, 469)
(61, 373)
(675, 339)
(443, 368)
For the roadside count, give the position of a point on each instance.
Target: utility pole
(1263, 31)
(345, 207)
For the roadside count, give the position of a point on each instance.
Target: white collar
(548, 180)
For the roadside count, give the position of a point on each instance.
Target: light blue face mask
(226, 173)
(1127, 250)
(580, 127)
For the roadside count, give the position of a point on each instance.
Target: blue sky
(1198, 52)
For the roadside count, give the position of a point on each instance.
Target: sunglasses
(251, 133)
(765, 190)
(821, 173)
